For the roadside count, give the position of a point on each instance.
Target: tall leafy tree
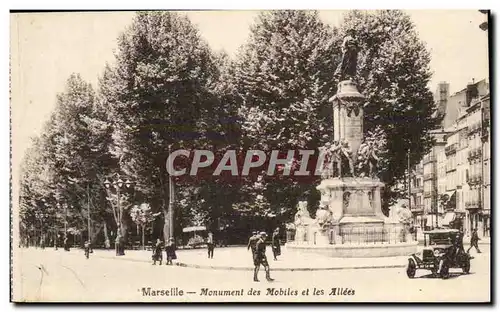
(394, 75)
(158, 94)
(284, 80)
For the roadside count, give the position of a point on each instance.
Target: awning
(448, 218)
(448, 195)
(194, 229)
(485, 212)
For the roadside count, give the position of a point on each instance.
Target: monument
(349, 221)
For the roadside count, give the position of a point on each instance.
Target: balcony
(474, 204)
(450, 149)
(474, 128)
(417, 189)
(450, 168)
(417, 208)
(474, 180)
(429, 176)
(474, 154)
(428, 159)
(428, 194)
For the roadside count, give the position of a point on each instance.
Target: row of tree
(168, 90)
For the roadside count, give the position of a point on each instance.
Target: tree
(142, 215)
(283, 79)
(65, 168)
(158, 94)
(393, 73)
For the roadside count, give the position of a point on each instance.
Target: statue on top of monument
(348, 65)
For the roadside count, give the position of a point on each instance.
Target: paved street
(50, 275)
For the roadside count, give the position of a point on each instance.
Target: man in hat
(252, 241)
(86, 248)
(210, 245)
(474, 239)
(157, 252)
(260, 258)
(170, 251)
(276, 243)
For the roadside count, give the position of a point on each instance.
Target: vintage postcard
(250, 156)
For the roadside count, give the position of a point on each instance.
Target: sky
(47, 47)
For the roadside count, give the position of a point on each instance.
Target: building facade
(455, 174)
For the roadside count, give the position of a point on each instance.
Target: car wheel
(466, 266)
(411, 268)
(445, 271)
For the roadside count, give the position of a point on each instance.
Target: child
(157, 252)
(170, 250)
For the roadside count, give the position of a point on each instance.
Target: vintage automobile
(443, 249)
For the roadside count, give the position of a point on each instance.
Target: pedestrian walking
(474, 239)
(210, 245)
(86, 247)
(117, 245)
(260, 258)
(252, 241)
(157, 252)
(170, 251)
(276, 243)
(66, 243)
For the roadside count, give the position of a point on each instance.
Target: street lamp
(118, 184)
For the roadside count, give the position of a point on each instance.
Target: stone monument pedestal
(355, 205)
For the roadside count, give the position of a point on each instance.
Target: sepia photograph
(250, 156)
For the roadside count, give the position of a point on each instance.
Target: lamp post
(171, 202)
(118, 184)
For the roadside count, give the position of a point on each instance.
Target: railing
(450, 149)
(417, 189)
(475, 128)
(429, 176)
(472, 204)
(417, 207)
(428, 159)
(357, 236)
(474, 153)
(474, 179)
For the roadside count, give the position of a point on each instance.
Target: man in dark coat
(210, 245)
(276, 244)
(474, 239)
(86, 248)
(170, 250)
(260, 258)
(157, 252)
(252, 242)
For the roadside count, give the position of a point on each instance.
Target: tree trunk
(164, 199)
(107, 243)
(143, 246)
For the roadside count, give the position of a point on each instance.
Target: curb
(229, 268)
(197, 266)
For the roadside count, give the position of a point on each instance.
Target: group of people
(169, 251)
(257, 244)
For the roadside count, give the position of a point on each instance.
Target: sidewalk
(482, 241)
(240, 259)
